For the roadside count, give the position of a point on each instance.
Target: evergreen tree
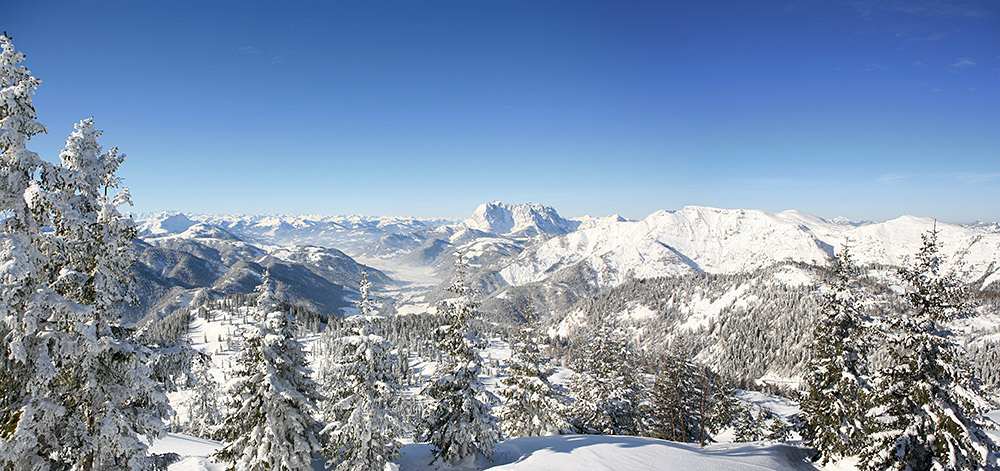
(605, 388)
(204, 416)
(363, 425)
(530, 405)
(837, 397)
(724, 409)
(748, 424)
(924, 404)
(269, 423)
(82, 394)
(674, 412)
(458, 422)
(777, 429)
(105, 383)
(708, 398)
(23, 368)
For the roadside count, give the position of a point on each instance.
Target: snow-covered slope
(193, 264)
(672, 243)
(614, 453)
(330, 264)
(586, 222)
(746, 326)
(563, 452)
(969, 252)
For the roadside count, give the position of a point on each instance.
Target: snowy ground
(995, 433)
(780, 406)
(561, 452)
(193, 451)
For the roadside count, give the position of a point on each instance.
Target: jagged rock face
(518, 220)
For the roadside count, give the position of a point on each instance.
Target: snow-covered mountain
(350, 234)
(161, 224)
(702, 239)
(556, 260)
(518, 220)
(987, 226)
(495, 231)
(182, 262)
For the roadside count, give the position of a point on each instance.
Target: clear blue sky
(868, 109)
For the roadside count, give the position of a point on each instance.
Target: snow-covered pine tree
(22, 273)
(708, 392)
(204, 416)
(605, 388)
(925, 416)
(84, 395)
(363, 391)
(458, 422)
(837, 397)
(530, 402)
(674, 401)
(115, 402)
(724, 409)
(748, 424)
(269, 423)
(777, 428)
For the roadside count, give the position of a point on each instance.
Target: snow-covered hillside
(188, 265)
(749, 327)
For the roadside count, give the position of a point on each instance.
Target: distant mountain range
(529, 246)
(348, 233)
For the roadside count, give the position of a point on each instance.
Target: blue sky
(868, 109)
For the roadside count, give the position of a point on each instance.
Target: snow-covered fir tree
(458, 422)
(22, 269)
(530, 401)
(748, 423)
(269, 423)
(115, 401)
(777, 428)
(605, 387)
(837, 396)
(674, 403)
(362, 393)
(81, 394)
(204, 416)
(925, 415)
(724, 409)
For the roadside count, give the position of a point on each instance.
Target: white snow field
(193, 451)
(560, 452)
